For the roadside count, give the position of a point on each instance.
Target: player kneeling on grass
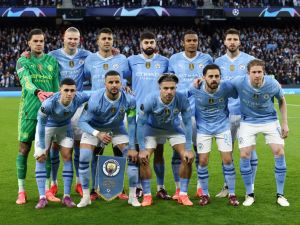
(103, 114)
(159, 119)
(54, 119)
(212, 121)
(257, 93)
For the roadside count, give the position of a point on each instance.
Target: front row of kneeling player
(166, 115)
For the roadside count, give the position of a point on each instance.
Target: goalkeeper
(39, 79)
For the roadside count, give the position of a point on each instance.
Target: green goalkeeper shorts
(26, 130)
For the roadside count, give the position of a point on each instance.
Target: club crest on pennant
(109, 178)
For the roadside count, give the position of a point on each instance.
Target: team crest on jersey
(191, 66)
(81, 61)
(157, 65)
(148, 65)
(176, 110)
(221, 100)
(242, 67)
(266, 96)
(201, 66)
(111, 168)
(255, 96)
(116, 66)
(50, 68)
(211, 100)
(231, 68)
(105, 66)
(122, 110)
(71, 63)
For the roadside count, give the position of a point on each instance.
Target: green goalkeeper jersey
(36, 73)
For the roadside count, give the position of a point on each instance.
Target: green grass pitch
(264, 211)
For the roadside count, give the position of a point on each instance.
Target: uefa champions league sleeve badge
(109, 178)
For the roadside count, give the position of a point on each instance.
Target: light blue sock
(203, 176)
(254, 163)
(159, 169)
(67, 176)
(229, 173)
(40, 176)
(146, 184)
(93, 169)
(246, 172)
(84, 163)
(280, 173)
(133, 174)
(76, 159)
(54, 156)
(184, 183)
(176, 161)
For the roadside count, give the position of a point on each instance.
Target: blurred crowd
(31, 2)
(279, 47)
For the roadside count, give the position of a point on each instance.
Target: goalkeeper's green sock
(21, 171)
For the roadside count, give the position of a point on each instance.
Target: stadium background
(270, 30)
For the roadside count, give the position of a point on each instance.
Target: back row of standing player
(142, 72)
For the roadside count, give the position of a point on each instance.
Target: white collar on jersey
(112, 101)
(146, 59)
(254, 88)
(233, 59)
(159, 99)
(204, 89)
(191, 59)
(103, 58)
(67, 55)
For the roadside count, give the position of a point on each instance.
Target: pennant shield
(109, 178)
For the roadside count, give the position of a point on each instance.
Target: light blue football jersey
(103, 113)
(144, 75)
(156, 114)
(187, 69)
(97, 66)
(71, 66)
(257, 105)
(211, 108)
(54, 114)
(231, 68)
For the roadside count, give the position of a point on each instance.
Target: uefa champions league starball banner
(264, 12)
(109, 178)
(28, 12)
(151, 11)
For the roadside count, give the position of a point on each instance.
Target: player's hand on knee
(104, 137)
(144, 157)
(284, 131)
(133, 155)
(189, 156)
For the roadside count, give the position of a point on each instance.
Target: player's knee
(245, 153)
(24, 148)
(203, 161)
(278, 150)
